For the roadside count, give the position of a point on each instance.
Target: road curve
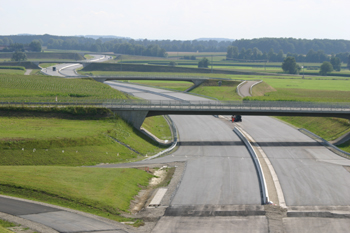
(66, 69)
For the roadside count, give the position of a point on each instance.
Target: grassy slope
(42, 140)
(4, 230)
(227, 91)
(102, 191)
(158, 126)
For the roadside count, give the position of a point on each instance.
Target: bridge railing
(183, 104)
(263, 105)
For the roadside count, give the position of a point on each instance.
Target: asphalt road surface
(245, 88)
(310, 175)
(68, 69)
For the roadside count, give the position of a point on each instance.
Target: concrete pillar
(134, 118)
(101, 80)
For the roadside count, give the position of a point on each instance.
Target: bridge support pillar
(134, 118)
(196, 82)
(101, 80)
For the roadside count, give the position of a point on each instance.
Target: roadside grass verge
(41, 88)
(4, 223)
(158, 126)
(106, 192)
(345, 146)
(211, 88)
(46, 138)
(173, 85)
(88, 57)
(4, 230)
(45, 65)
(329, 128)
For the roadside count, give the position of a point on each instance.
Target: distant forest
(295, 47)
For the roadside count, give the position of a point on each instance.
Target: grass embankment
(88, 57)
(158, 126)
(47, 138)
(227, 90)
(42, 88)
(103, 191)
(328, 128)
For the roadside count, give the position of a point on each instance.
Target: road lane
(310, 174)
(227, 176)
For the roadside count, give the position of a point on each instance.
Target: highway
(313, 179)
(220, 176)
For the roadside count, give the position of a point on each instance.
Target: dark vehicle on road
(54, 68)
(236, 118)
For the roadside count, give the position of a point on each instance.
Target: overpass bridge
(194, 79)
(135, 111)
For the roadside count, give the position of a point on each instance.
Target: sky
(178, 19)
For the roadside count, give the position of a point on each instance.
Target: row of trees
(34, 46)
(116, 46)
(292, 45)
(255, 54)
(290, 66)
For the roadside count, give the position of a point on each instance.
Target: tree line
(292, 45)
(256, 55)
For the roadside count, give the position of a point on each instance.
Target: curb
(251, 87)
(238, 87)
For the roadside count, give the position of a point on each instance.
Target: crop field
(103, 191)
(42, 88)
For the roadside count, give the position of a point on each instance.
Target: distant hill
(106, 37)
(217, 39)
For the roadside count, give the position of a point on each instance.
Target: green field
(43, 88)
(103, 191)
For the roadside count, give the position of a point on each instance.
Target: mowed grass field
(42, 88)
(103, 191)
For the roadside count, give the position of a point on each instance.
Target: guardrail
(261, 177)
(325, 143)
(175, 136)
